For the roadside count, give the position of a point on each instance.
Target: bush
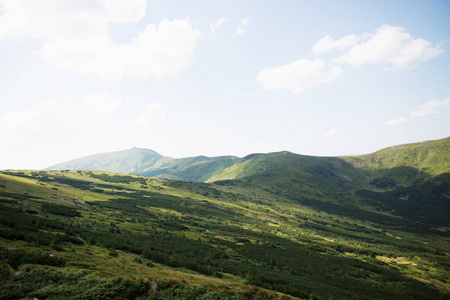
(4, 271)
(18, 258)
(116, 288)
(60, 210)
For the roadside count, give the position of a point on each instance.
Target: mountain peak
(125, 161)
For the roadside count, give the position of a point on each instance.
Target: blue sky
(188, 78)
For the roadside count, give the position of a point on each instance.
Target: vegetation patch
(343, 242)
(60, 210)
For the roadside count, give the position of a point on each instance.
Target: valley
(266, 226)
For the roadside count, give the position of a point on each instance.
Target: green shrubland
(319, 228)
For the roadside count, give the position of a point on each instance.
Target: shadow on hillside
(417, 200)
(426, 202)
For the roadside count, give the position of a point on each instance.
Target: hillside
(404, 164)
(265, 226)
(149, 163)
(407, 163)
(409, 181)
(127, 161)
(123, 234)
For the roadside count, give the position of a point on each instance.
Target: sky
(187, 78)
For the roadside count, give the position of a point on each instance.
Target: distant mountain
(355, 227)
(127, 161)
(402, 164)
(209, 169)
(413, 180)
(149, 163)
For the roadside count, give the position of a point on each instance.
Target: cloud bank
(389, 45)
(428, 108)
(431, 107)
(298, 76)
(75, 37)
(327, 44)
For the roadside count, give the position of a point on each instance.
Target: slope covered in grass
(400, 165)
(127, 161)
(149, 163)
(260, 231)
(407, 163)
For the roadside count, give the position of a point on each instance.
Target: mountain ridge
(363, 227)
(428, 158)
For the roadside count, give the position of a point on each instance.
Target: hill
(404, 164)
(407, 163)
(409, 181)
(149, 163)
(127, 236)
(287, 225)
(126, 161)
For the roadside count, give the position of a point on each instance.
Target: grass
(305, 227)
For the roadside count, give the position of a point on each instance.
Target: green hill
(197, 169)
(103, 230)
(127, 161)
(409, 181)
(266, 226)
(407, 163)
(149, 163)
(404, 163)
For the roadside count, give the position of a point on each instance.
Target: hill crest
(429, 158)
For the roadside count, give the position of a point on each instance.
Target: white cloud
(397, 121)
(329, 133)
(50, 19)
(241, 30)
(328, 44)
(76, 38)
(389, 44)
(101, 103)
(30, 120)
(298, 76)
(392, 45)
(40, 123)
(163, 50)
(431, 107)
(214, 26)
(151, 114)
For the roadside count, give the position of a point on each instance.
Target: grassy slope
(407, 163)
(197, 169)
(283, 222)
(149, 163)
(408, 181)
(404, 164)
(127, 161)
(287, 236)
